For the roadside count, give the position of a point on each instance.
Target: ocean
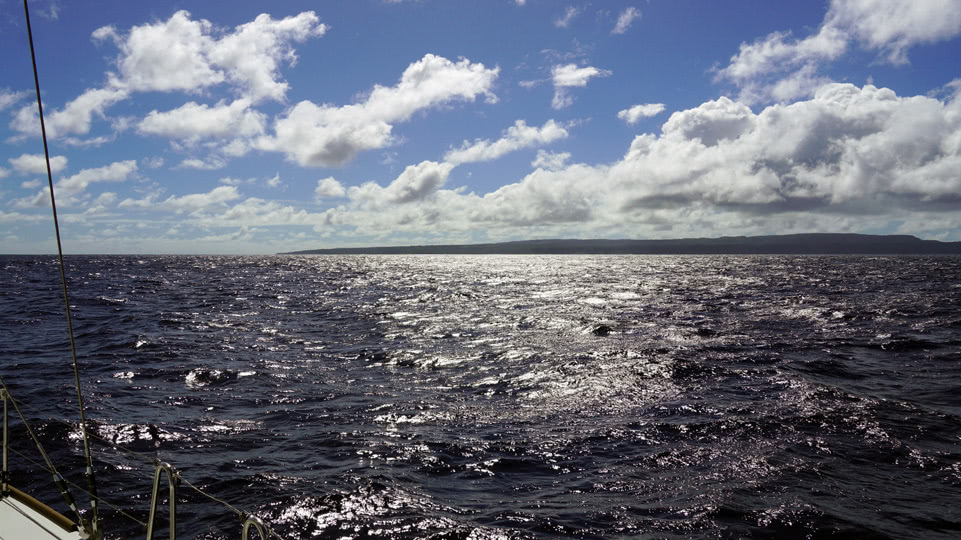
(489, 397)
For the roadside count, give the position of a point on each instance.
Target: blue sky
(216, 127)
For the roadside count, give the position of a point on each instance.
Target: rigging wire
(113, 507)
(91, 479)
(95, 526)
(58, 479)
(239, 512)
(200, 491)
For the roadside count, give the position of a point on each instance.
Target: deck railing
(174, 481)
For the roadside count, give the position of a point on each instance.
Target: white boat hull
(24, 518)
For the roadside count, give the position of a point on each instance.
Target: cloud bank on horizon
(377, 123)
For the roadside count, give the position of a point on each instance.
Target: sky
(219, 127)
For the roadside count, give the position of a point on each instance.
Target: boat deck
(25, 518)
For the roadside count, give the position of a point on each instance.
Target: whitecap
(202, 377)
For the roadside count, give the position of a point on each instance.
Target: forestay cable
(58, 480)
(91, 480)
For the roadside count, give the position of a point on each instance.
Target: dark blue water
(505, 397)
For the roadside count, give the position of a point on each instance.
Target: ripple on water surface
(510, 397)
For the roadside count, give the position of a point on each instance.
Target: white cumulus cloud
(251, 54)
(416, 183)
(570, 75)
(8, 97)
(633, 114)
(518, 136)
(893, 26)
(193, 120)
(325, 135)
(865, 147)
(115, 172)
(74, 118)
(36, 164)
(847, 158)
(779, 51)
(710, 122)
(212, 163)
(781, 67)
(329, 188)
(186, 54)
(550, 161)
(195, 202)
(164, 56)
(71, 190)
(178, 54)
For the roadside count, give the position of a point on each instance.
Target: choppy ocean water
(505, 396)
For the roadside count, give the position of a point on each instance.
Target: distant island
(787, 244)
